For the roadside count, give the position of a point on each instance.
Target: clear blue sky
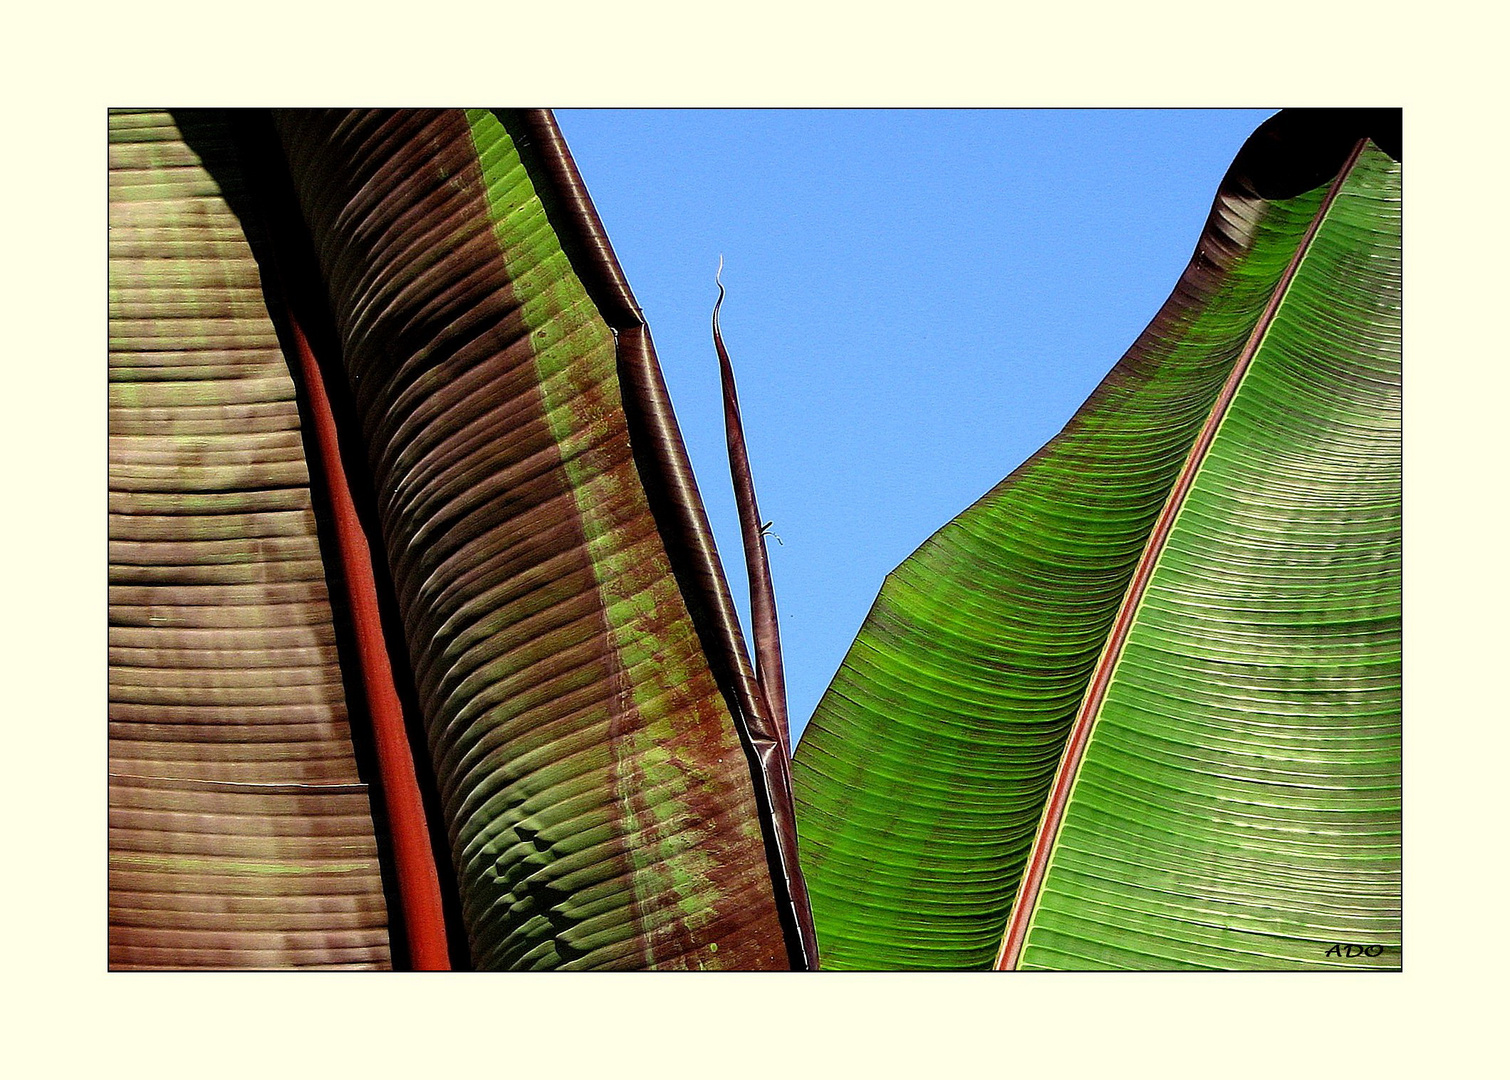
(917, 301)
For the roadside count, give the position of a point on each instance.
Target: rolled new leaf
(764, 625)
(924, 775)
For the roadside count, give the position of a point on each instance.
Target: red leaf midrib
(414, 861)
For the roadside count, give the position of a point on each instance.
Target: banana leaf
(241, 827)
(592, 740)
(1143, 698)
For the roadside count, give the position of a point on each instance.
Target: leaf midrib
(1053, 815)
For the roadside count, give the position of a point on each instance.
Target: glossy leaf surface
(1238, 803)
(923, 776)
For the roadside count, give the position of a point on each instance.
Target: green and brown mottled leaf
(600, 800)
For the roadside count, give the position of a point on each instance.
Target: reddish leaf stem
(418, 883)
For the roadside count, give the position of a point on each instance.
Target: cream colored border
(66, 65)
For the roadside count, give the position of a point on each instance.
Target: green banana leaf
(592, 739)
(1143, 698)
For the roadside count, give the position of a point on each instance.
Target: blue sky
(917, 300)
